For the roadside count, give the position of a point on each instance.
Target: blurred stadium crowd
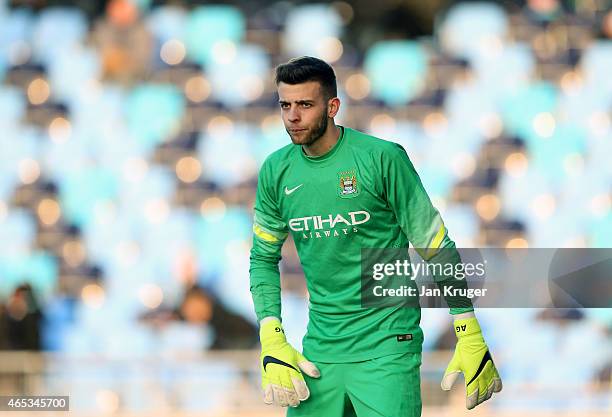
(131, 140)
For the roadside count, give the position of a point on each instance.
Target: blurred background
(131, 132)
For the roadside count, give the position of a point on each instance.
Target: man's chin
(300, 140)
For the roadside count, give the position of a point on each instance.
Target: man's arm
(281, 365)
(269, 234)
(421, 222)
(423, 226)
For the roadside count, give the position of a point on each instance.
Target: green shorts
(389, 386)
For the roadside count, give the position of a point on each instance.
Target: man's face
(197, 308)
(304, 111)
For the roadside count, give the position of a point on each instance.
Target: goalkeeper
(337, 190)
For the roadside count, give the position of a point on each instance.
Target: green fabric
(363, 193)
(380, 387)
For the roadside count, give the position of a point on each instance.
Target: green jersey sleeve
(419, 220)
(269, 234)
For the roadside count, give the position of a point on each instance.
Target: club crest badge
(348, 184)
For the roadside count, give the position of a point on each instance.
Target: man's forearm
(449, 255)
(266, 299)
(265, 279)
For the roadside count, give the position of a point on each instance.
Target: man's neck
(325, 143)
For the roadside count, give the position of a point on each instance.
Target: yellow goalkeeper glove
(472, 357)
(282, 367)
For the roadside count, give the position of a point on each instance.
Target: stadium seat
(519, 109)
(38, 268)
(553, 156)
(597, 156)
(12, 106)
(599, 233)
(517, 193)
(72, 70)
(270, 137)
(214, 232)
(80, 193)
(227, 155)
(17, 27)
(308, 28)
(396, 70)
(461, 223)
(19, 145)
(3, 66)
(211, 28)
(466, 106)
(18, 232)
(505, 70)
(58, 29)
(595, 64)
(164, 101)
(167, 22)
(237, 76)
(470, 30)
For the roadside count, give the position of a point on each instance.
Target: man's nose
(294, 115)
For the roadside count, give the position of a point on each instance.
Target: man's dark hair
(306, 68)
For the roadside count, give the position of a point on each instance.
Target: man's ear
(333, 106)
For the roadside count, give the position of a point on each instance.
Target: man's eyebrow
(307, 101)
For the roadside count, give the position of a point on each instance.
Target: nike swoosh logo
(270, 359)
(487, 357)
(289, 191)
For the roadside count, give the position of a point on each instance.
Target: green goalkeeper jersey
(363, 193)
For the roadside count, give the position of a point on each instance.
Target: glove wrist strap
(466, 327)
(271, 332)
